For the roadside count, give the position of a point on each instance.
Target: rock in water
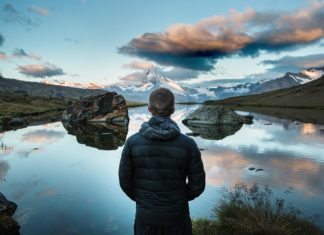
(216, 132)
(8, 226)
(215, 115)
(213, 122)
(101, 136)
(103, 108)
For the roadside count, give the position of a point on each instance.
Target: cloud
(50, 192)
(3, 56)
(39, 10)
(1, 39)
(140, 65)
(295, 63)
(143, 66)
(4, 167)
(41, 136)
(11, 15)
(181, 74)
(19, 52)
(246, 33)
(40, 70)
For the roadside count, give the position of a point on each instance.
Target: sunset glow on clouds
(202, 42)
(198, 46)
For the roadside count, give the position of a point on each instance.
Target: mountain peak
(153, 76)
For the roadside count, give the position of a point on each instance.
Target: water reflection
(65, 187)
(42, 136)
(308, 129)
(4, 167)
(214, 132)
(100, 136)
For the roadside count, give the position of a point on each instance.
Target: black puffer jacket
(154, 168)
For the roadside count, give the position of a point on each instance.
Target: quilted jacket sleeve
(126, 172)
(196, 173)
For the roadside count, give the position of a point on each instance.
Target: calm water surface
(64, 187)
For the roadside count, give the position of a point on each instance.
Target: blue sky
(98, 41)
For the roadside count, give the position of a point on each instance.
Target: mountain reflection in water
(101, 136)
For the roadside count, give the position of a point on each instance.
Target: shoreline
(305, 115)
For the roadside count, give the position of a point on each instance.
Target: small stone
(268, 123)
(251, 168)
(259, 169)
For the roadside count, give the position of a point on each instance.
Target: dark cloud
(19, 52)
(40, 70)
(1, 40)
(12, 15)
(295, 63)
(198, 46)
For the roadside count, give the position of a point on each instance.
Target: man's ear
(149, 108)
(173, 109)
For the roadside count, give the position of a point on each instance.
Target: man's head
(161, 102)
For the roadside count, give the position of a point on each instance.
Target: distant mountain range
(307, 95)
(288, 80)
(139, 90)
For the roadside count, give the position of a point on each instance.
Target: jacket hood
(160, 128)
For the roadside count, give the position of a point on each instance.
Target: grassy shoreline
(25, 110)
(254, 210)
(305, 115)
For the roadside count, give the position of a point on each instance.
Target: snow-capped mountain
(139, 90)
(286, 81)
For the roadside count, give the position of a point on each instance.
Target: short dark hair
(162, 102)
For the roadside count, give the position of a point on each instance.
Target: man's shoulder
(180, 140)
(134, 137)
(185, 139)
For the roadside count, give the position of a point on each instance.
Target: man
(161, 170)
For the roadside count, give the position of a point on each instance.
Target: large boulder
(215, 115)
(103, 108)
(213, 122)
(8, 226)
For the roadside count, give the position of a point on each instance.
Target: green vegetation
(19, 105)
(29, 109)
(132, 104)
(253, 210)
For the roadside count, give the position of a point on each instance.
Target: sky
(196, 43)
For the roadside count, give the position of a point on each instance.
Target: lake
(64, 184)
